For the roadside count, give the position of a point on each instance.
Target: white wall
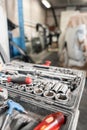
(4, 45)
(33, 13)
(11, 7)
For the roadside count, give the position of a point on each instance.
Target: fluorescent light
(46, 3)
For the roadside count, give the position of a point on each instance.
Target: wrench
(12, 106)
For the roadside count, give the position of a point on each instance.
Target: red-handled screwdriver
(19, 80)
(52, 122)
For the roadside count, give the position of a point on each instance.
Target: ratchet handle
(14, 106)
(20, 80)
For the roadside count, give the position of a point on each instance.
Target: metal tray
(54, 75)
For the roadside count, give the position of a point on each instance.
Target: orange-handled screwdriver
(52, 122)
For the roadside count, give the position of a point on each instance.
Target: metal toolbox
(59, 87)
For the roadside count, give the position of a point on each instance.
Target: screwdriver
(52, 122)
(19, 80)
(12, 106)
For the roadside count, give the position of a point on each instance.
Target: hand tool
(38, 91)
(57, 76)
(10, 84)
(47, 63)
(10, 72)
(21, 87)
(56, 87)
(29, 89)
(63, 89)
(63, 97)
(3, 93)
(48, 86)
(52, 122)
(12, 106)
(18, 79)
(49, 94)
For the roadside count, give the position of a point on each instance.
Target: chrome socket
(49, 94)
(9, 84)
(62, 97)
(48, 86)
(37, 85)
(38, 91)
(29, 89)
(63, 89)
(22, 87)
(57, 87)
(3, 95)
(15, 86)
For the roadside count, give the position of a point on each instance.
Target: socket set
(51, 85)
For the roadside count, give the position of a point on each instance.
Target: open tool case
(52, 89)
